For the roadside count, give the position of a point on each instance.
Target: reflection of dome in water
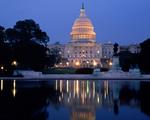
(82, 28)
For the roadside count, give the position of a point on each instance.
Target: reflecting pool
(74, 100)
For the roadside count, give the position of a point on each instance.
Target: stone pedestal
(115, 63)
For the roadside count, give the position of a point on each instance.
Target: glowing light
(14, 88)
(105, 94)
(83, 28)
(74, 90)
(56, 65)
(2, 84)
(98, 99)
(94, 63)
(14, 92)
(98, 51)
(14, 83)
(77, 63)
(67, 63)
(14, 63)
(67, 86)
(110, 63)
(56, 85)
(106, 87)
(77, 87)
(93, 89)
(59, 98)
(82, 97)
(87, 87)
(60, 85)
(2, 67)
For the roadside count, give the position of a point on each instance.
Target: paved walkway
(77, 77)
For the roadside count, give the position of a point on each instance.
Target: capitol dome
(82, 28)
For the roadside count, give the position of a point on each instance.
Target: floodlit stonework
(83, 50)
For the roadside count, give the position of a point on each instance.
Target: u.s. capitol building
(83, 50)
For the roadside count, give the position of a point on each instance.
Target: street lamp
(94, 63)
(2, 67)
(14, 63)
(110, 63)
(77, 63)
(67, 63)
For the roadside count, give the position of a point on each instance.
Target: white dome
(82, 28)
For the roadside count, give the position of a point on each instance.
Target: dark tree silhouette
(128, 60)
(29, 30)
(2, 35)
(144, 59)
(55, 54)
(125, 60)
(12, 36)
(5, 54)
(31, 55)
(28, 44)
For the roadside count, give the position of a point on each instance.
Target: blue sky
(122, 21)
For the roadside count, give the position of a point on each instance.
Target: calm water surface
(75, 100)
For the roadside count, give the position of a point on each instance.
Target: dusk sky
(122, 21)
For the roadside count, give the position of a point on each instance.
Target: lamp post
(14, 63)
(94, 63)
(67, 63)
(77, 63)
(110, 63)
(2, 67)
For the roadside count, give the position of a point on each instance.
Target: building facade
(83, 50)
(107, 50)
(132, 48)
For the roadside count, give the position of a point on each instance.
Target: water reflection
(1, 85)
(74, 100)
(83, 97)
(22, 100)
(14, 88)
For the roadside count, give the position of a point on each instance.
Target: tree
(128, 60)
(31, 55)
(5, 54)
(29, 30)
(12, 36)
(54, 56)
(125, 60)
(29, 44)
(2, 35)
(144, 59)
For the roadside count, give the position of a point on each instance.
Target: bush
(84, 71)
(59, 71)
(104, 69)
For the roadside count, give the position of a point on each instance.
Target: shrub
(84, 71)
